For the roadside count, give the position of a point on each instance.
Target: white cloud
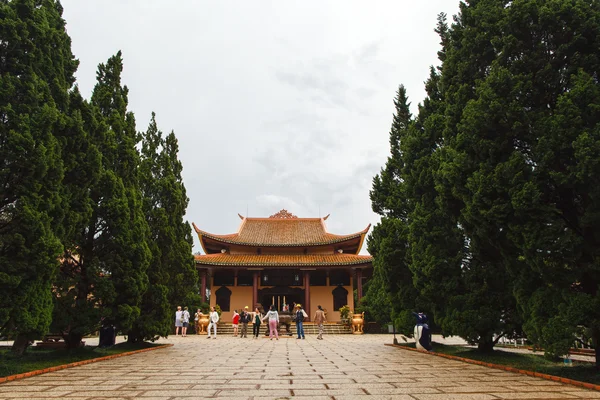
(275, 104)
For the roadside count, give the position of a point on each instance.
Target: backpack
(300, 316)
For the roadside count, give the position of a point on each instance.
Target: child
(235, 321)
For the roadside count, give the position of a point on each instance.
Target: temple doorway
(280, 295)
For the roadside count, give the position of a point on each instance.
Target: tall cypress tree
(172, 278)
(521, 89)
(106, 276)
(118, 227)
(184, 276)
(536, 115)
(74, 315)
(155, 319)
(37, 71)
(388, 242)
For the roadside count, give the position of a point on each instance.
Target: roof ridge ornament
(283, 214)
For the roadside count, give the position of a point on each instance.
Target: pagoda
(283, 260)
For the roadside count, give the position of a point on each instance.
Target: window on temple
(244, 278)
(340, 298)
(318, 278)
(223, 278)
(223, 298)
(339, 277)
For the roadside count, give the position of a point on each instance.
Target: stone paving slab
(338, 367)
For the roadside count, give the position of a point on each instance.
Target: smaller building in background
(283, 260)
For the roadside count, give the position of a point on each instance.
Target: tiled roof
(282, 232)
(268, 260)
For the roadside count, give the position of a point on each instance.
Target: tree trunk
(485, 344)
(133, 336)
(20, 345)
(72, 340)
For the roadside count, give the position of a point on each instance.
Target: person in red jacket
(235, 321)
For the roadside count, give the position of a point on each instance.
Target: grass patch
(580, 371)
(39, 358)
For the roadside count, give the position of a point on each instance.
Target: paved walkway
(338, 367)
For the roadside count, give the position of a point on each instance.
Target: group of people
(182, 319)
(244, 318)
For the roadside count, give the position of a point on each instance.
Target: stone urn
(202, 324)
(358, 321)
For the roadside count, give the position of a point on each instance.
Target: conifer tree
(74, 315)
(184, 276)
(155, 319)
(536, 116)
(388, 243)
(521, 91)
(106, 277)
(37, 72)
(172, 277)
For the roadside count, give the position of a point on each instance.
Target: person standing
(256, 322)
(235, 321)
(273, 317)
(244, 319)
(213, 318)
(185, 318)
(320, 320)
(178, 320)
(300, 315)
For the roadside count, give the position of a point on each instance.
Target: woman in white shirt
(273, 317)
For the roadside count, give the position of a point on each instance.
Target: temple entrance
(280, 295)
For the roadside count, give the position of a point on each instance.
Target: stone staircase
(309, 328)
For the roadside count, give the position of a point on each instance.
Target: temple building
(282, 260)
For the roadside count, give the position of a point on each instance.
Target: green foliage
(107, 257)
(37, 71)
(173, 272)
(495, 182)
(391, 290)
(344, 312)
(522, 127)
(77, 199)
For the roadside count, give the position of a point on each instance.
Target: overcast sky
(276, 104)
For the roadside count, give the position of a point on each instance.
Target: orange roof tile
(281, 232)
(269, 260)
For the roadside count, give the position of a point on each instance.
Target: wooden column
(255, 279)
(203, 286)
(359, 290)
(307, 293)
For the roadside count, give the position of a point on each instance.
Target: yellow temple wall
(321, 295)
(241, 296)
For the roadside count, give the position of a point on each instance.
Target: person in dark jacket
(245, 317)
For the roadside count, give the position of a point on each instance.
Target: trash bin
(107, 337)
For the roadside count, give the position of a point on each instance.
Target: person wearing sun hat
(300, 315)
(244, 319)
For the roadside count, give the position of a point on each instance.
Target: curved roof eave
(231, 239)
(262, 262)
